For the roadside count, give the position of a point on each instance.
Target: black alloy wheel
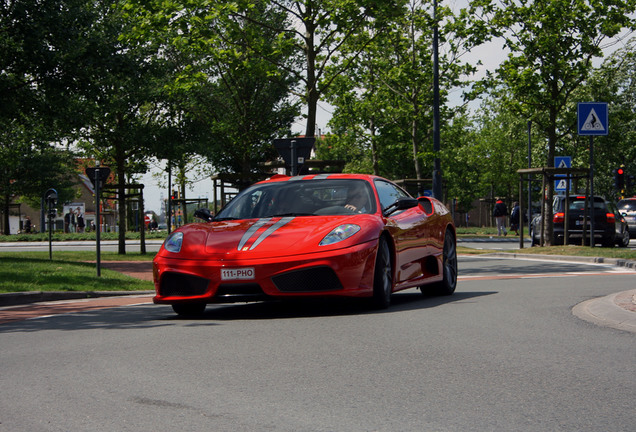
(383, 276)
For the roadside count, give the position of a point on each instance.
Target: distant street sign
(301, 151)
(593, 118)
(562, 162)
(104, 172)
(50, 196)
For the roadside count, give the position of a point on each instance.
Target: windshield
(577, 203)
(301, 198)
(627, 205)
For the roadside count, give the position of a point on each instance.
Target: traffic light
(619, 178)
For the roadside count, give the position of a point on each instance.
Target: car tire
(609, 243)
(189, 309)
(623, 241)
(449, 266)
(533, 241)
(382, 276)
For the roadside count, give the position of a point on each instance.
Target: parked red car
(309, 236)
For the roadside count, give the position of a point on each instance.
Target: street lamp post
(437, 170)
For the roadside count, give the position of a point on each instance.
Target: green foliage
(384, 99)
(36, 73)
(552, 44)
(216, 81)
(615, 83)
(227, 97)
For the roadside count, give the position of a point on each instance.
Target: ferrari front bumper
(341, 272)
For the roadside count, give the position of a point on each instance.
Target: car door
(409, 230)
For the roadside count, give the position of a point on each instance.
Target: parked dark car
(627, 209)
(610, 227)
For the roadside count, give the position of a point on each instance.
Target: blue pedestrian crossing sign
(560, 184)
(592, 118)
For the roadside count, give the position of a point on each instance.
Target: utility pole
(437, 170)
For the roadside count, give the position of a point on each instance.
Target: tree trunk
(548, 210)
(5, 215)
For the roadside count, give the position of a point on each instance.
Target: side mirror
(426, 205)
(204, 214)
(401, 204)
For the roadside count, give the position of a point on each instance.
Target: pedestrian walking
(514, 218)
(500, 212)
(80, 220)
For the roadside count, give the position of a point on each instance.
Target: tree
(387, 92)
(37, 75)
(119, 91)
(615, 83)
(552, 44)
(226, 82)
(318, 29)
(29, 168)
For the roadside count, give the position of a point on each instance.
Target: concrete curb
(605, 312)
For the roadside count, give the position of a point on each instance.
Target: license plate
(244, 273)
(578, 223)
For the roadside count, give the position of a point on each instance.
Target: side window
(388, 193)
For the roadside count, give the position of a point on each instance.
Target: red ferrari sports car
(306, 236)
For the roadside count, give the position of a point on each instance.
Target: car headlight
(340, 233)
(173, 242)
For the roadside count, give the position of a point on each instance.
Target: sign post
(50, 196)
(97, 176)
(593, 119)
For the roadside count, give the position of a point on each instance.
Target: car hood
(268, 237)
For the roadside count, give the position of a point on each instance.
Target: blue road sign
(592, 118)
(560, 184)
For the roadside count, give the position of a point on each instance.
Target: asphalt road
(504, 353)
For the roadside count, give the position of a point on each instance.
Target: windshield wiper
(224, 219)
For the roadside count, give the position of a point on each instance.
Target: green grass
(587, 251)
(68, 271)
(476, 231)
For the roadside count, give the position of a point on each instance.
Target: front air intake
(308, 280)
(182, 285)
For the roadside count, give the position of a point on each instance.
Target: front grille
(239, 292)
(182, 285)
(308, 280)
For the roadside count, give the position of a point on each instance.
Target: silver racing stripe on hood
(250, 232)
(270, 230)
